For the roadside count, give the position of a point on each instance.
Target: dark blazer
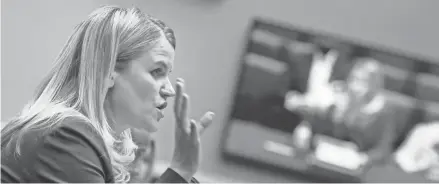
(71, 152)
(373, 133)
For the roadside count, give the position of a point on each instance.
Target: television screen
(279, 59)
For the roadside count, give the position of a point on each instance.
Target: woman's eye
(157, 72)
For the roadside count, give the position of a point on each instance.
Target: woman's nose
(168, 90)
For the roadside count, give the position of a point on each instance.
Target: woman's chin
(151, 125)
(148, 124)
(149, 129)
(152, 129)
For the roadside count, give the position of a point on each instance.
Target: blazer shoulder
(80, 152)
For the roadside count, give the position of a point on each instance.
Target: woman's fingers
(181, 107)
(318, 56)
(182, 110)
(205, 121)
(331, 56)
(195, 134)
(179, 93)
(294, 100)
(184, 113)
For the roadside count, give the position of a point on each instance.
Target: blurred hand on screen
(417, 152)
(320, 90)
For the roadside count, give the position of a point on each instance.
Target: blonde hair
(75, 87)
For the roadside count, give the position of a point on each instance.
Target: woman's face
(140, 91)
(360, 82)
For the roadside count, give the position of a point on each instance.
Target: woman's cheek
(127, 101)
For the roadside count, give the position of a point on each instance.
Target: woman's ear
(111, 79)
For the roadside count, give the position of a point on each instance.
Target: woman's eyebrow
(165, 65)
(162, 52)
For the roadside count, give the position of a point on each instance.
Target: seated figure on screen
(364, 117)
(355, 111)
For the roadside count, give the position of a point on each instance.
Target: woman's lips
(160, 114)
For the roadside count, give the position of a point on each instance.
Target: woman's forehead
(164, 49)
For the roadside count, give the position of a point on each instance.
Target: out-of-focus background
(211, 37)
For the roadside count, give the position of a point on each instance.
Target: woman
(112, 75)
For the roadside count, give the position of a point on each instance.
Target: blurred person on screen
(364, 116)
(354, 111)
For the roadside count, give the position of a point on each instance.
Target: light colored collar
(375, 105)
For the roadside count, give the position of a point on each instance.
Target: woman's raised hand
(187, 151)
(321, 70)
(319, 86)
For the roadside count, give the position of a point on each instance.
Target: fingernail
(193, 124)
(180, 80)
(185, 95)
